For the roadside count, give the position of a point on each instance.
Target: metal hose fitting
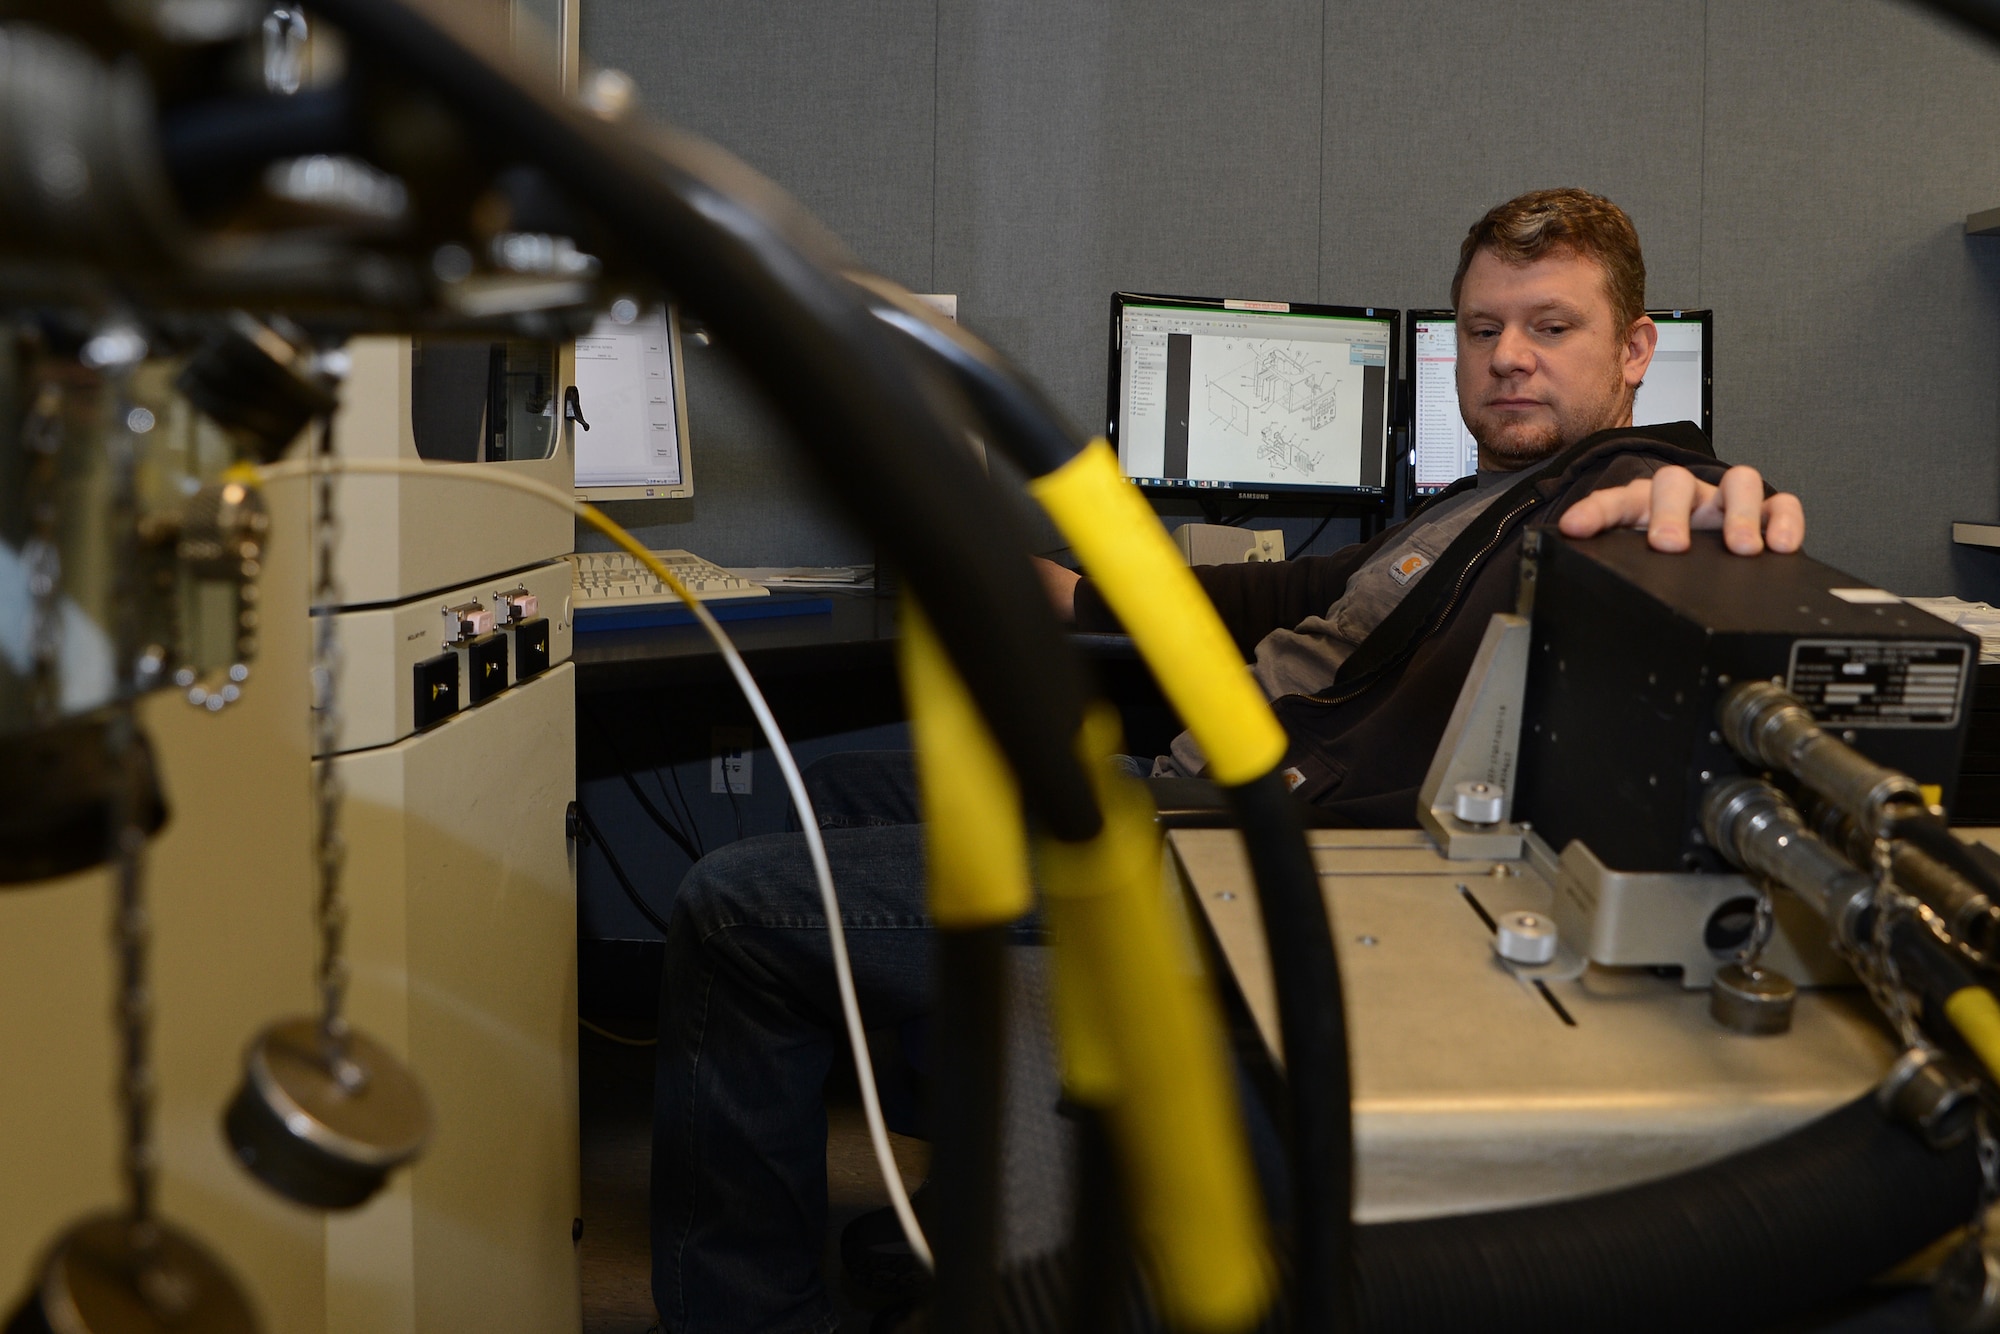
(1752, 824)
(1768, 726)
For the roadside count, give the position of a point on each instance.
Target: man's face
(1542, 362)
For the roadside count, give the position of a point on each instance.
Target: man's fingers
(1675, 493)
(1673, 501)
(1618, 507)
(1784, 522)
(1742, 511)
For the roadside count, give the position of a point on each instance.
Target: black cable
(691, 849)
(1312, 1024)
(1982, 16)
(968, 1091)
(1933, 836)
(1100, 1247)
(617, 871)
(687, 810)
(1242, 514)
(1313, 537)
(666, 825)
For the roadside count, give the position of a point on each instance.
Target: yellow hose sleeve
(1130, 987)
(1976, 1016)
(974, 841)
(1134, 565)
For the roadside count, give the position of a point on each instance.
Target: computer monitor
(1677, 388)
(1252, 398)
(631, 390)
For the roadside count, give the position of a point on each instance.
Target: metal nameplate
(1879, 682)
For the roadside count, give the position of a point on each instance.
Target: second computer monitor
(1677, 388)
(1251, 397)
(632, 392)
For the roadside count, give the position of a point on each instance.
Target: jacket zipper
(1451, 603)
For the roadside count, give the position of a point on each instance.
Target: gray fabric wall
(1803, 167)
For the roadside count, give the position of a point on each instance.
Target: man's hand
(1060, 584)
(1673, 500)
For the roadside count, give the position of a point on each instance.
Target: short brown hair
(1566, 221)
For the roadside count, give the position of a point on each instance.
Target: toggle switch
(468, 620)
(515, 606)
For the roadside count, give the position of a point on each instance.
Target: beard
(1513, 445)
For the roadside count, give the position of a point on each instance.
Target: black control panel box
(485, 667)
(531, 648)
(1632, 649)
(436, 686)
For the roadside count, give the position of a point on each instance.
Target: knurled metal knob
(1525, 937)
(1477, 802)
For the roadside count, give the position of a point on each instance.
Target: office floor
(617, 1090)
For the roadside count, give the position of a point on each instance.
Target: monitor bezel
(1364, 495)
(684, 489)
(1704, 316)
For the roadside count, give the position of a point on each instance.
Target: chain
(1878, 970)
(1989, 1175)
(131, 923)
(42, 433)
(1760, 933)
(132, 934)
(330, 848)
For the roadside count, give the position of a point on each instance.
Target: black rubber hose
(1022, 423)
(213, 149)
(1932, 835)
(1312, 1024)
(1099, 1256)
(1982, 16)
(968, 1090)
(741, 257)
(1763, 1235)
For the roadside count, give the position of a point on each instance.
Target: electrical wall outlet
(729, 762)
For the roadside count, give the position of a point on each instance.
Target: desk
(823, 674)
(859, 634)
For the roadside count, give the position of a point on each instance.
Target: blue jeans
(750, 1025)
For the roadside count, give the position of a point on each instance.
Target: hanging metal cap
(111, 1275)
(1755, 1001)
(324, 1127)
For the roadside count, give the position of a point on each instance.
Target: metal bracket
(1480, 745)
(1637, 919)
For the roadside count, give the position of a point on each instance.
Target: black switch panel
(531, 648)
(437, 689)
(485, 667)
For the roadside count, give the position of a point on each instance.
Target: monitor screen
(1442, 450)
(1251, 397)
(631, 390)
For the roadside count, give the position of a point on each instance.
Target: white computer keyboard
(617, 579)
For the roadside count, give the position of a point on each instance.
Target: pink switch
(472, 619)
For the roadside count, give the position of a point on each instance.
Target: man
(1362, 654)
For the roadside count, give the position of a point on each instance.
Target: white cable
(850, 1006)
